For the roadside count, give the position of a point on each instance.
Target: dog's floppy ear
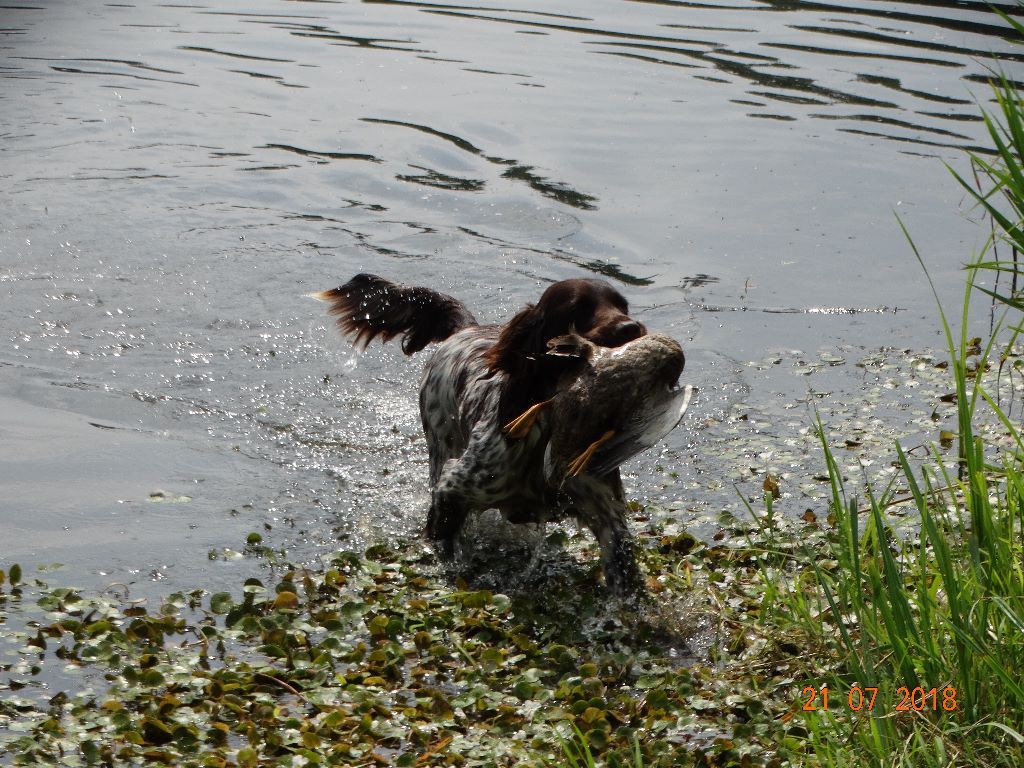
(520, 353)
(521, 340)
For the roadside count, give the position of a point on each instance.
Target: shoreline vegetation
(884, 630)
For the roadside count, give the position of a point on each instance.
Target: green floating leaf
(221, 602)
(156, 732)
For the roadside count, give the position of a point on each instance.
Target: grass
(941, 611)
(932, 621)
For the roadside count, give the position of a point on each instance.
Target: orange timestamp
(864, 699)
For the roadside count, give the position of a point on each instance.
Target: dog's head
(592, 309)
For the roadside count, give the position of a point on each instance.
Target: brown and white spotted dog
(478, 379)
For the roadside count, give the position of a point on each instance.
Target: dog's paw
(444, 547)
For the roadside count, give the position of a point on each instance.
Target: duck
(610, 404)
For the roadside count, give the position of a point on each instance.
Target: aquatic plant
(930, 627)
(997, 185)
(376, 659)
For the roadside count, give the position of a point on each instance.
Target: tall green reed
(942, 608)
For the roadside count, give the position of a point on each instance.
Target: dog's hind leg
(473, 482)
(448, 510)
(445, 521)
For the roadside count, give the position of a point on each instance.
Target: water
(174, 178)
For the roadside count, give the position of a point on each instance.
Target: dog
(478, 380)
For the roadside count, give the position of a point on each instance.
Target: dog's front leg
(598, 503)
(618, 558)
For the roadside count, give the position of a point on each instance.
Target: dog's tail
(368, 306)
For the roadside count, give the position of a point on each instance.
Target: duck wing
(654, 418)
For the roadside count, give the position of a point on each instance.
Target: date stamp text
(866, 699)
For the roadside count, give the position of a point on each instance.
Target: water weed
(376, 659)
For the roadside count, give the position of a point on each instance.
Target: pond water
(174, 178)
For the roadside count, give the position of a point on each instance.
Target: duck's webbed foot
(578, 465)
(521, 425)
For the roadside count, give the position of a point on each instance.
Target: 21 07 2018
(866, 699)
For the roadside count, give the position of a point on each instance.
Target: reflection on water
(176, 177)
(560, 192)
